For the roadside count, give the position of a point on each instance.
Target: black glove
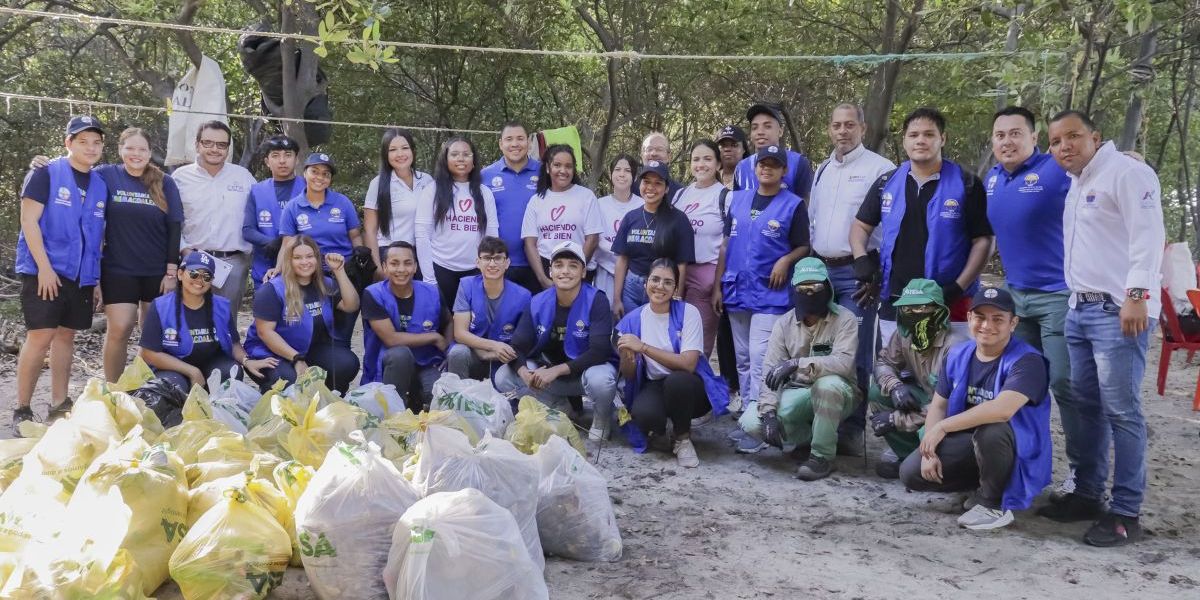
(866, 267)
(951, 292)
(881, 423)
(771, 432)
(780, 374)
(904, 400)
(865, 295)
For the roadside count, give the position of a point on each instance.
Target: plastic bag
(162, 398)
(199, 406)
(70, 445)
(344, 521)
(150, 482)
(477, 402)
(310, 386)
(12, 455)
(236, 396)
(32, 510)
(408, 428)
(380, 400)
(460, 545)
(125, 411)
(236, 550)
(575, 515)
(270, 433)
(535, 423)
(446, 462)
(310, 440)
(229, 454)
(291, 478)
(133, 377)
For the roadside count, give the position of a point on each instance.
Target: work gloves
(780, 374)
(904, 400)
(881, 423)
(771, 431)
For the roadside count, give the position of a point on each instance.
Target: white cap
(568, 247)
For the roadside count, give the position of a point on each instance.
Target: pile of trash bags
(371, 500)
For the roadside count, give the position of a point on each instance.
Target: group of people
(823, 292)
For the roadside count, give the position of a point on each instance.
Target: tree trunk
(300, 84)
(881, 94)
(1141, 72)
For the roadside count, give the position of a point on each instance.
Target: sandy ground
(744, 527)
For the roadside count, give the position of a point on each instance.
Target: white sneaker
(703, 420)
(685, 453)
(981, 518)
(735, 403)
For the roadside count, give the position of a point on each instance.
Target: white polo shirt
(1113, 228)
(213, 207)
(839, 187)
(404, 206)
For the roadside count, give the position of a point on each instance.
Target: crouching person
(408, 329)
(486, 312)
(564, 345)
(661, 349)
(190, 332)
(988, 427)
(294, 318)
(809, 365)
(906, 371)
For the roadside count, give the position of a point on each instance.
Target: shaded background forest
(1132, 63)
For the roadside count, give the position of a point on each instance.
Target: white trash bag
(446, 462)
(238, 397)
(344, 521)
(379, 399)
(460, 546)
(487, 410)
(575, 514)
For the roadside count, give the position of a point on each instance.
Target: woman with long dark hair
(657, 230)
(613, 208)
(703, 202)
(453, 214)
(189, 332)
(390, 206)
(562, 210)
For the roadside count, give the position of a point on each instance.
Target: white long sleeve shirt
(838, 189)
(213, 207)
(452, 243)
(1113, 228)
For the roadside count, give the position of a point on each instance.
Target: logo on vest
(170, 337)
(772, 230)
(885, 202)
(99, 212)
(302, 222)
(532, 185)
(264, 218)
(335, 215)
(508, 328)
(64, 196)
(428, 325)
(541, 329)
(580, 329)
(1031, 184)
(991, 183)
(951, 209)
(497, 184)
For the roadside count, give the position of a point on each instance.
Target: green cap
(921, 291)
(808, 270)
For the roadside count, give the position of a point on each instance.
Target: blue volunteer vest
(72, 232)
(267, 212)
(177, 339)
(426, 318)
(513, 301)
(714, 387)
(579, 323)
(297, 332)
(948, 246)
(1030, 424)
(753, 248)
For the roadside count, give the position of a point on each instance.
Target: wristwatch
(298, 357)
(1137, 294)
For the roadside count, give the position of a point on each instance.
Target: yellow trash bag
(188, 437)
(292, 479)
(32, 510)
(311, 385)
(271, 435)
(126, 411)
(198, 407)
(150, 482)
(536, 422)
(236, 550)
(262, 411)
(407, 427)
(310, 440)
(258, 490)
(229, 454)
(12, 454)
(133, 377)
(70, 445)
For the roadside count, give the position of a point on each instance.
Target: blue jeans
(1106, 378)
(1043, 323)
(633, 294)
(844, 286)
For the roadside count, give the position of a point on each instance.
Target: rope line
(837, 59)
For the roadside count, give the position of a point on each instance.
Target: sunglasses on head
(200, 274)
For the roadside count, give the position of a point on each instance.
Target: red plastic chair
(1174, 339)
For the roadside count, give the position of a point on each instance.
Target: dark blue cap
(731, 132)
(320, 158)
(992, 296)
(772, 152)
(656, 167)
(83, 123)
(198, 260)
(763, 108)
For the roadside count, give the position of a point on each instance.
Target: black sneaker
(61, 410)
(814, 468)
(1073, 508)
(20, 415)
(888, 469)
(801, 452)
(850, 443)
(1113, 530)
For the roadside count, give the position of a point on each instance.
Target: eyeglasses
(493, 259)
(809, 289)
(214, 144)
(656, 280)
(200, 274)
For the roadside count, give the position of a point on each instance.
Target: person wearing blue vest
(261, 223)
(408, 329)
(765, 234)
(766, 129)
(809, 388)
(988, 426)
(58, 259)
(513, 181)
(294, 316)
(487, 310)
(667, 378)
(564, 345)
(935, 225)
(189, 332)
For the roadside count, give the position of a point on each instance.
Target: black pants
(679, 396)
(524, 277)
(726, 356)
(447, 282)
(340, 364)
(415, 383)
(982, 459)
(223, 363)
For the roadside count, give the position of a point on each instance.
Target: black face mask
(815, 305)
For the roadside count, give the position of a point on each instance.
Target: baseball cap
(280, 142)
(763, 108)
(997, 297)
(808, 270)
(82, 123)
(320, 158)
(197, 261)
(656, 167)
(731, 132)
(773, 152)
(570, 248)
(921, 291)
